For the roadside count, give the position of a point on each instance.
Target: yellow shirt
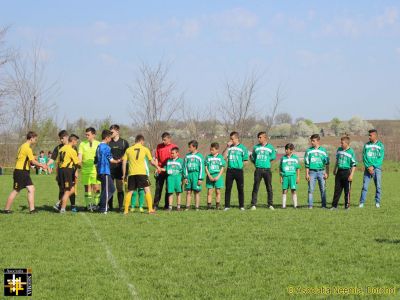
(136, 156)
(67, 157)
(24, 156)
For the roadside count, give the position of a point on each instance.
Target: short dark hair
(31, 135)
(105, 134)
(166, 134)
(373, 131)
(315, 136)
(194, 143)
(345, 138)
(91, 129)
(114, 127)
(214, 145)
(139, 138)
(289, 146)
(62, 133)
(175, 149)
(262, 133)
(234, 133)
(73, 137)
(41, 151)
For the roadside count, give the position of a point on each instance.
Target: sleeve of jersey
(148, 155)
(74, 157)
(273, 153)
(202, 172)
(280, 166)
(54, 154)
(245, 153)
(80, 149)
(108, 153)
(353, 159)
(382, 155)
(29, 154)
(185, 171)
(223, 162)
(125, 157)
(326, 158)
(306, 160)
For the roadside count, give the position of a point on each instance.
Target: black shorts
(22, 179)
(66, 178)
(138, 182)
(116, 172)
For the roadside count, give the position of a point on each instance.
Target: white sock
(294, 196)
(283, 200)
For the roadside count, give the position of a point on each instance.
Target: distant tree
(5, 56)
(283, 118)
(281, 130)
(358, 126)
(334, 125)
(154, 100)
(277, 101)
(305, 128)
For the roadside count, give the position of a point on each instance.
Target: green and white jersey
(236, 156)
(373, 154)
(345, 159)
(262, 155)
(194, 162)
(289, 165)
(214, 163)
(174, 167)
(88, 151)
(316, 159)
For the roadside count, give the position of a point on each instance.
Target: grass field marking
(111, 258)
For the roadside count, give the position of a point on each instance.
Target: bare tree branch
(277, 101)
(154, 100)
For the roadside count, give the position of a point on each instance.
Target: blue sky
(334, 58)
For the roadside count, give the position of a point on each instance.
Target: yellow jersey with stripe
(137, 157)
(24, 157)
(67, 157)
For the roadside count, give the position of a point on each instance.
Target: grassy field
(260, 254)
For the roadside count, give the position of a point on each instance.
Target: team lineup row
(109, 165)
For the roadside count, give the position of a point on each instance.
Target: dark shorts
(138, 182)
(116, 172)
(66, 179)
(22, 179)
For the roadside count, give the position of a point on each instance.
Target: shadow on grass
(387, 241)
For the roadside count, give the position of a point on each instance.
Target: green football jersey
(373, 154)
(236, 156)
(316, 159)
(262, 155)
(345, 159)
(194, 162)
(174, 167)
(88, 151)
(214, 163)
(289, 165)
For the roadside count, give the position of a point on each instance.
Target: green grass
(206, 254)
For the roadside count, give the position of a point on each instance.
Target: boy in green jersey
(344, 171)
(316, 161)
(262, 155)
(193, 173)
(289, 168)
(373, 154)
(174, 169)
(86, 153)
(215, 165)
(236, 155)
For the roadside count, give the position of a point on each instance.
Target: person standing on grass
(215, 166)
(262, 155)
(138, 157)
(344, 170)
(103, 160)
(237, 155)
(193, 174)
(373, 155)
(118, 147)
(316, 161)
(86, 154)
(174, 169)
(289, 168)
(22, 178)
(163, 153)
(68, 161)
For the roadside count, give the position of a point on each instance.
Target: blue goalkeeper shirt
(103, 157)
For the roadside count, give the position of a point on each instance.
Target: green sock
(88, 198)
(96, 198)
(134, 197)
(141, 197)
